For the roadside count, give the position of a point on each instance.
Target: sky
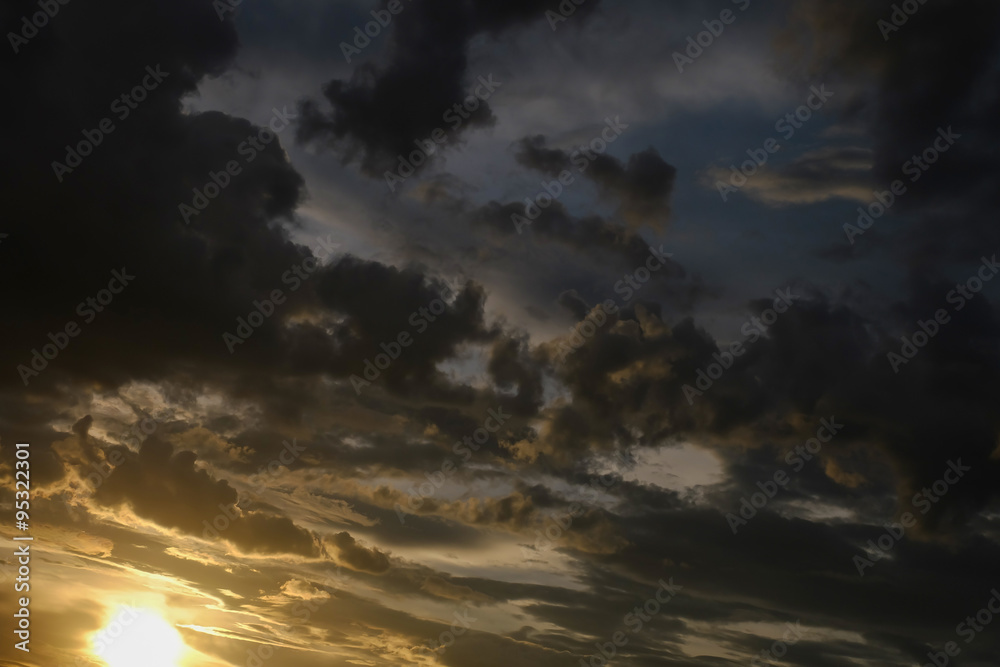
(465, 333)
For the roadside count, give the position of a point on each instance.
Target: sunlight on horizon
(138, 637)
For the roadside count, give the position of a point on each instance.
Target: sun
(138, 638)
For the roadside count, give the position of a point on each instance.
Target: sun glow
(138, 637)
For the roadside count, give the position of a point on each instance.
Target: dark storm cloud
(165, 487)
(356, 556)
(379, 113)
(778, 580)
(382, 302)
(534, 154)
(915, 81)
(511, 365)
(642, 187)
(593, 238)
(820, 359)
(929, 74)
(119, 211)
(574, 303)
(622, 386)
(118, 207)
